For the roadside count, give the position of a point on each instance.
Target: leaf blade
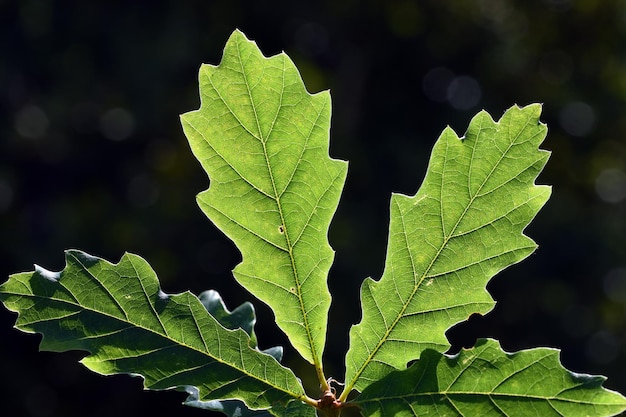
(463, 226)
(171, 341)
(242, 317)
(263, 141)
(487, 381)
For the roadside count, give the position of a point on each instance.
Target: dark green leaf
(242, 317)
(121, 317)
(486, 381)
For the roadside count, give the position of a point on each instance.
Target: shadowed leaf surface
(486, 381)
(242, 317)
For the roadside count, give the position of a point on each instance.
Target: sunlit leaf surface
(263, 140)
(463, 226)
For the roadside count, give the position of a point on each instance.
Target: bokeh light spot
(611, 185)
(615, 284)
(31, 122)
(464, 93)
(577, 118)
(117, 124)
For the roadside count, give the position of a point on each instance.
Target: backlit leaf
(263, 140)
(463, 226)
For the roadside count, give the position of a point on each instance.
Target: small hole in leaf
(281, 229)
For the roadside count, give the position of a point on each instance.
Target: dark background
(92, 156)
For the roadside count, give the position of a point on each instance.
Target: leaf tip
(532, 107)
(534, 110)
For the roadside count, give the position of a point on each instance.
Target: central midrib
(277, 199)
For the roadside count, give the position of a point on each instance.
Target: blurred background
(92, 156)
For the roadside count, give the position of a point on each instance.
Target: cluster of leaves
(263, 141)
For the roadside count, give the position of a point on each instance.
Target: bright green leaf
(263, 140)
(486, 381)
(463, 226)
(121, 317)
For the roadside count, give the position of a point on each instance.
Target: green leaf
(242, 317)
(121, 317)
(234, 408)
(463, 226)
(486, 381)
(294, 408)
(263, 141)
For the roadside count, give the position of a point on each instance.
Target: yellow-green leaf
(463, 226)
(263, 141)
